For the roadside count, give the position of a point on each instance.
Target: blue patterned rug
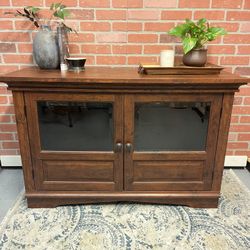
(132, 226)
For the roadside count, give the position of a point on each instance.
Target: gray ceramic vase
(45, 49)
(195, 58)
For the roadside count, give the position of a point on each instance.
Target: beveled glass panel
(171, 126)
(76, 126)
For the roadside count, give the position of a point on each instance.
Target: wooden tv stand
(110, 134)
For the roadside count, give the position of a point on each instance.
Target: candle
(167, 58)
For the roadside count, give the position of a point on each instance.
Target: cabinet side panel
(23, 136)
(227, 106)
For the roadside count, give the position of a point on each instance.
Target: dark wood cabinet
(110, 134)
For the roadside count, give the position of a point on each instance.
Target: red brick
(90, 60)
(127, 49)
(24, 47)
(111, 60)
(239, 16)
(160, 4)
(127, 3)
(8, 152)
(247, 4)
(176, 15)
(158, 27)
(143, 14)
(95, 26)
(3, 100)
(245, 27)
(247, 101)
(3, 90)
(96, 49)
(228, 26)
(155, 49)
(244, 90)
(164, 38)
(74, 49)
(209, 14)
(8, 128)
(10, 99)
(111, 15)
(7, 47)
(229, 152)
(240, 152)
(227, 4)
(221, 49)
(245, 71)
(5, 3)
(244, 137)
(10, 145)
(68, 3)
(6, 25)
(5, 119)
(235, 60)
(125, 26)
(5, 136)
(81, 38)
(136, 60)
(14, 37)
(142, 38)
(237, 145)
(232, 137)
(244, 49)
(24, 59)
(82, 14)
(94, 4)
(240, 128)
(23, 3)
(111, 37)
(234, 119)
(7, 68)
(194, 4)
(238, 100)
(24, 25)
(241, 110)
(213, 59)
(245, 119)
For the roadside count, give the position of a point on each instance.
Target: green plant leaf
(216, 31)
(188, 44)
(202, 21)
(178, 31)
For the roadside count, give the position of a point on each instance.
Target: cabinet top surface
(109, 75)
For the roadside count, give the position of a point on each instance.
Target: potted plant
(45, 45)
(194, 36)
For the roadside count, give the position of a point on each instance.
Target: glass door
(169, 141)
(79, 141)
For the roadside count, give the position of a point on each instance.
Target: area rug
(132, 226)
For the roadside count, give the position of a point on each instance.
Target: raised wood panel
(180, 171)
(78, 171)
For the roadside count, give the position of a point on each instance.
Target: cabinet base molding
(191, 199)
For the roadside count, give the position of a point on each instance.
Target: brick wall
(126, 32)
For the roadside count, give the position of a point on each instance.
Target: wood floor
(11, 184)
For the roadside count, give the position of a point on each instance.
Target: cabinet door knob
(118, 147)
(129, 147)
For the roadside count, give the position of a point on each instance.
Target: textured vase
(195, 58)
(45, 49)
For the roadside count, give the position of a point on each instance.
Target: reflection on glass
(75, 126)
(171, 126)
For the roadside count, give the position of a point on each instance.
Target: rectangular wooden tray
(156, 69)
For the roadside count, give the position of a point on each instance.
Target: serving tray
(156, 69)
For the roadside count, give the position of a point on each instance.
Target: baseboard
(11, 161)
(230, 161)
(235, 161)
